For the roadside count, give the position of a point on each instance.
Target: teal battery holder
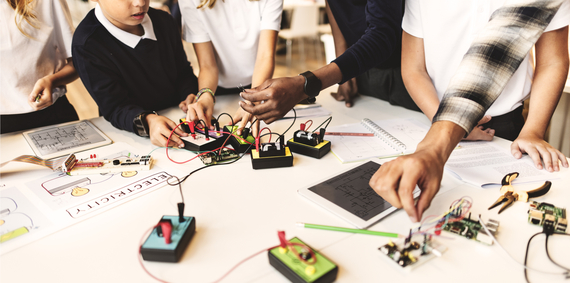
(155, 247)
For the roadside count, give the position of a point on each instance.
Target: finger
(406, 193)
(484, 120)
(255, 110)
(255, 129)
(385, 183)
(337, 96)
(255, 96)
(243, 123)
(191, 115)
(348, 98)
(515, 150)
(534, 155)
(563, 159)
(554, 155)
(426, 197)
(183, 106)
(177, 130)
(36, 91)
(202, 116)
(546, 156)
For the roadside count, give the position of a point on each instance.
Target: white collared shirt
(24, 60)
(127, 38)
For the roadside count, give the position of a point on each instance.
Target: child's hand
(201, 110)
(537, 148)
(189, 100)
(159, 130)
(40, 97)
(241, 118)
(478, 134)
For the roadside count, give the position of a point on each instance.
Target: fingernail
(413, 219)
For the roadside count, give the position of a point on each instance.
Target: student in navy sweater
(131, 60)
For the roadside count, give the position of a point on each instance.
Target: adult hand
(539, 151)
(346, 92)
(241, 118)
(274, 98)
(201, 109)
(160, 128)
(480, 134)
(42, 88)
(396, 180)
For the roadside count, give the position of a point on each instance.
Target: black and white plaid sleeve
(492, 59)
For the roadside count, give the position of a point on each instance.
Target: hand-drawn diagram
(56, 139)
(18, 216)
(351, 191)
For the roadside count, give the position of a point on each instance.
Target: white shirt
(449, 26)
(127, 38)
(24, 60)
(233, 27)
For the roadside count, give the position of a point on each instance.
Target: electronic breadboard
(471, 229)
(286, 262)
(114, 165)
(542, 213)
(412, 252)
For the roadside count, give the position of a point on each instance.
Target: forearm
(208, 78)
(441, 139)
(422, 91)
(64, 76)
(262, 71)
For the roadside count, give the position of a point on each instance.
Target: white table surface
(239, 210)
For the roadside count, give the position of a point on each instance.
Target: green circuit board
(541, 213)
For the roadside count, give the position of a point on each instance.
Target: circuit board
(412, 252)
(542, 213)
(122, 164)
(472, 229)
(212, 158)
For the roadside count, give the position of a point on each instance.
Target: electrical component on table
(169, 238)
(214, 157)
(545, 214)
(300, 263)
(469, 228)
(271, 155)
(243, 143)
(113, 165)
(415, 250)
(199, 138)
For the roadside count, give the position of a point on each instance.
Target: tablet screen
(350, 191)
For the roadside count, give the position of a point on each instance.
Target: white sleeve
(194, 30)
(271, 15)
(412, 22)
(63, 26)
(562, 17)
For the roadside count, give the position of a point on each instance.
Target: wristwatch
(312, 86)
(141, 126)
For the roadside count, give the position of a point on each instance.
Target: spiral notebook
(391, 138)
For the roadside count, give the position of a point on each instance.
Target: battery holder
(286, 262)
(156, 248)
(271, 155)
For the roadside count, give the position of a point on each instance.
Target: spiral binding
(393, 142)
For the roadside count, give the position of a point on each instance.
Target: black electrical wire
(231, 118)
(179, 185)
(294, 119)
(329, 119)
(548, 254)
(526, 256)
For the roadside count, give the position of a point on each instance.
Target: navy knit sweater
(124, 81)
(373, 33)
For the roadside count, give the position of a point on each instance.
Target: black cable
(231, 118)
(329, 119)
(526, 256)
(548, 254)
(179, 185)
(294, 119)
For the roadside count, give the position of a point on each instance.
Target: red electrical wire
(140, 256)
(259, 133)
(307, 127)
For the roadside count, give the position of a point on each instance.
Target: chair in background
(304, 24)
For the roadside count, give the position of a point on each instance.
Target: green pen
(38, 98)
(348, 230)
